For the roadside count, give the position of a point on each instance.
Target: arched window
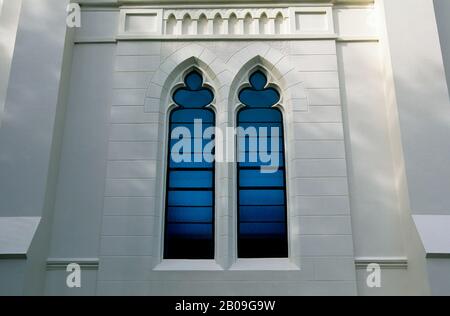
(189, 218)
(262, 224)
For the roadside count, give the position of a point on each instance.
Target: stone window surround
(226, 105)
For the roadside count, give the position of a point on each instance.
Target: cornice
(209, 3)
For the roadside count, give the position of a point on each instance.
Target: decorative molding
(218, 3)
(140, 22)
(192, 38)
(62, 263)
(235, 22)
(226, 21)
(357, 39)
(384, 262)
(311, 20)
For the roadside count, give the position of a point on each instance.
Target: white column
(240, 27)
(178, 27)
(210, 27)
(271, 26)
(423, 102)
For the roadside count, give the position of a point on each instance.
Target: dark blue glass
(177, 214)
(265, 126)
(262, 227)
(259, 230)
(193, 95)
(259, 95)
(260, 115)
(262, 214)
(189, 230)
(261, 197)
(189, 115)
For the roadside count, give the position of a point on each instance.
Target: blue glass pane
(260, 99)
(192, 99)
(255, 178)
(262, 230)
(261, 197)
(194, 81)
(190, 198)
(255, 159)
(253, 143)
(186, 148)
(262, 213)
(259, 115)
(190, 214)
(258, 80)
(195, 161)
(193, 95)
(265, 127)
(189, 130)
(190, 231)
(189, 115)
(190, 179)
(258, 95)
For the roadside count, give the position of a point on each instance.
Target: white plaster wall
(376, 217)
(321, 237)
(438, 269)
(79, 197)
(30, 132)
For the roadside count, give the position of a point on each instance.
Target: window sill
(269, 264)
(188, 265)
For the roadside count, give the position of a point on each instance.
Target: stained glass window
(262, 224)
(189, 222)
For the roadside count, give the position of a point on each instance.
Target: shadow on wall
(31, 128)
(442, 9)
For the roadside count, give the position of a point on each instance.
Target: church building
(224, 148)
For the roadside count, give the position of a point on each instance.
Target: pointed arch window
(262, 222)
(189, 216)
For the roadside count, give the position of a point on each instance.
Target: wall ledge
(384, 262)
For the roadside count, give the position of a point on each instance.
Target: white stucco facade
(83, 136)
